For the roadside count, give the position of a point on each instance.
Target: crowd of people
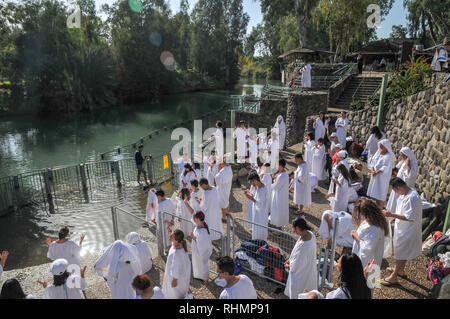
(202, 204)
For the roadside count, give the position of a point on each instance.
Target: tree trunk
(424, 28)
(302, 20)
(430, 25)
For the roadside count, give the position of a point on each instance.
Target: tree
(398, 32)
(303, 13)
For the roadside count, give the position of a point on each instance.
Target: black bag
(441, 246)
(250, 247)
(270, 256)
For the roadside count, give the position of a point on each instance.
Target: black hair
(146, 187)
(300, 223)
(194, 183)
(311, 135)
(142, 282)
(376, 130)
(397, 182)
(254, 176)
(321, 140)
(267, 165)
(187, 165)
(63, 232)
(178, 235)
(204, 181)
(226, 264)
(12, 289)
(201, 216)
(352, 277)
(59, 280)
(299, 155)
(258, 162)
(219, 124)
(184, 192)
(344, 171)
(140, 146)
(160, 192)
(196, 165)
(282, 162)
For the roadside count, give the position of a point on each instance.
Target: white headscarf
(282, 125)
(106, 265)
(133, 238)
(387, 145)
(407, 152)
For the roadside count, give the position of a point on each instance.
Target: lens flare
(135, 5)
(155, 39)
(168, 60)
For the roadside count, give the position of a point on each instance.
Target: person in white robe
(301, 184)
(219, 140)
(259, 207)
(253, 148)
(209, 205)
(302, 263)
(144, 290)
(345, 227)
(240, 134)
(372, 228)
(333, 137)
(65, 285)
(339, 199)
(196, 195)
(306, 75)
(440, 59)
(237, 286)
(206, 157)
(144, 252)
(321, 126)
(318, 160)
(185, 211)
(407, 229)
(3, 256)
(197, 171)
(266, 179)
(152, 205)
(381, 171)
(281, 126)
(168, 210)
(279, 206)
(212, 171)
(309, 143)
(177, 274)
(187, 175)
(372, 143)
(201, 247)
(182, 161)
(224, 181)
(119, 265)
(65, 248)
(341, 158)
(341, 128)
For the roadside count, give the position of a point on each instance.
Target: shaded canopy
(306, 50)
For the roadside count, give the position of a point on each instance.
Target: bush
(357, 105)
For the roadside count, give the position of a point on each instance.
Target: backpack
(436, 271)
(270, 256)
(250, 247)
(278, 274)
(441, 246)
(237, 267)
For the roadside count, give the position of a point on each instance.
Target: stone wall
(335, 91)
(421, 122)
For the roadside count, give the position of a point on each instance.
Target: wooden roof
(306, 50)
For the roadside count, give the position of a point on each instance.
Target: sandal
(390, 269)
(386, 283)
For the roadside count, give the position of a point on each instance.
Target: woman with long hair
(372, 143)
(201, 247)
(177, 273)
(339, 199)
(185, 211)
(187, 176)
(372, 229)
(352, 283)
(12, 289)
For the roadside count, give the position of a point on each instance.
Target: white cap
(59, 266)
(338, 145)
(333, 134)
(342, 154)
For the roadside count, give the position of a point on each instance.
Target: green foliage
(399, 32)
(357, 105)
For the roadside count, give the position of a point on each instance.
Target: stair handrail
(357, 89)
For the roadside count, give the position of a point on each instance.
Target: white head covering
(106, 265)
(281, 125)
(342, 154)
(387, 145)
(407, 152)
(59, 267)
(280, 117)
(339, 145)
(333, 134)
(133, 238)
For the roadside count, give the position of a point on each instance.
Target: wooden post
(384, 84)
(116, 169)
(48, 176)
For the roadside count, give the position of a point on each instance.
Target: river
(29, 143)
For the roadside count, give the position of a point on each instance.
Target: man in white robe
(259, 207)
(209, 205)
(119, 265)
(321, 126)
(281, 126)
(279, 208)
(381, 171)
(240, 134)
(224, 181)
(168, 210)
(301, 184)
(237, 287)
(266, 179)
(219, 140)
(345, 226)
(341, 128)
(306, 75)
(407, 229)
(309, 143)
(152, 205)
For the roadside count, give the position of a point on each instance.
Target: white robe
(250, 207)
(371, 245)
(302, 268)
(194, 203)
(186, 221)
(178, 266)
(372, 147)
(302, 188)
(150, 212)
(309, 154)
(219, 143)
(345, 226)
(253, 151)
(408, 234)
(340, 201)
(282, 133)
(335, 174)
(408, 178)
(266, 179)
(243, 289)
(338, 294)
(260, 214)
(211, 174)
(306, 77)
(279, 208)
(378, 185)
(320, 128)
(166, 206)
(241, 141)
(121, 288)
(205, 166)
(224, 181)
(145, 254)
(59, 292)
(201, 252)
(187, 179)
(181, 163)
(213, 215)
(69, 250)
(318, 162)
(342, 131)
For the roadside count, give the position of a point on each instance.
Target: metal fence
(84, 182)
(269, 264)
